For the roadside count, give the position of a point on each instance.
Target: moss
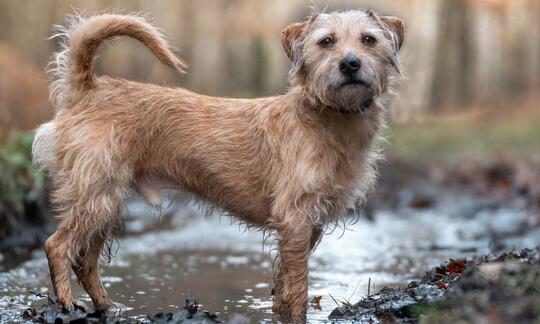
(21, 187)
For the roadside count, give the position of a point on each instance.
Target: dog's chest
(339, 167)
(361, 154)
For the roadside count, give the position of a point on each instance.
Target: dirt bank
(502, 288)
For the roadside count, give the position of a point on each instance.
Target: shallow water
(225, 268)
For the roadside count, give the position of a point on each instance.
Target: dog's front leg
(294, 246)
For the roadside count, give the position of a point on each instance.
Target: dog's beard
(347, 94)
(352, 96)
(348, 98)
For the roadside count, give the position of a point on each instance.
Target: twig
(358, 284)
(335, 301)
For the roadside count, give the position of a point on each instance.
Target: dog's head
(344, 59)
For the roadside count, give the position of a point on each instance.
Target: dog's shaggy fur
(291, 164)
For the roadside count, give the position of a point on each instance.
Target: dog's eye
(326, 42)
(369, 40)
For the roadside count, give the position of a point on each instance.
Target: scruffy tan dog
(292, 164)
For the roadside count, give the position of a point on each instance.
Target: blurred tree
(457, 53)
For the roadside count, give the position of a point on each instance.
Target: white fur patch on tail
(44, 146)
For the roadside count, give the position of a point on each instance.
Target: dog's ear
(291, 35)
(396, 28)
(292, 40)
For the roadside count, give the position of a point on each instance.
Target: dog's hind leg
(57, 251)
(88, 198)
(87, 270)
(77, 243)
(85, 266)
(99, 224)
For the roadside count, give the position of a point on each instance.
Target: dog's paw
(112, 307)
(73, 305)
(80, 305)
(119, 307)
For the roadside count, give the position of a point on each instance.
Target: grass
(479, 135)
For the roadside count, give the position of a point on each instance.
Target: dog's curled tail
(73, 65)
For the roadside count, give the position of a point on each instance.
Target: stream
(226, 267)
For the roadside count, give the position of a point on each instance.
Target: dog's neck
(309, 100)
(363, 122)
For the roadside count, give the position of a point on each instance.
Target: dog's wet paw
(118, 307)
(80, 305)
(113, 307)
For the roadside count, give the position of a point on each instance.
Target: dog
(292, 164)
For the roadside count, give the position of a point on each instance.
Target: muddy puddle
(223, 265)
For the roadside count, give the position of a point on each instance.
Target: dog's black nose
(349, 64)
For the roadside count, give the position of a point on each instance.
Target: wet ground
(226, 268)
(496, 288)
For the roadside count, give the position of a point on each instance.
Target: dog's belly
(250, 207)
(212, 153)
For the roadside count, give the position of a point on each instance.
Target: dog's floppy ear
(291, 35)
(396, 28)
(291, 38)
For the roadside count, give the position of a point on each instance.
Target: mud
(53, 312)
(492, 289)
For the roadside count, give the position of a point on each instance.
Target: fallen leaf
(440, 284)
(316, 302)
(456, 266)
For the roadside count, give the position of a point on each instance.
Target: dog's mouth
(355, 83)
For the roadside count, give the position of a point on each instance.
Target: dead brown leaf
(456, 266)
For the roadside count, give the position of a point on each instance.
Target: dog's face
(344, 59)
